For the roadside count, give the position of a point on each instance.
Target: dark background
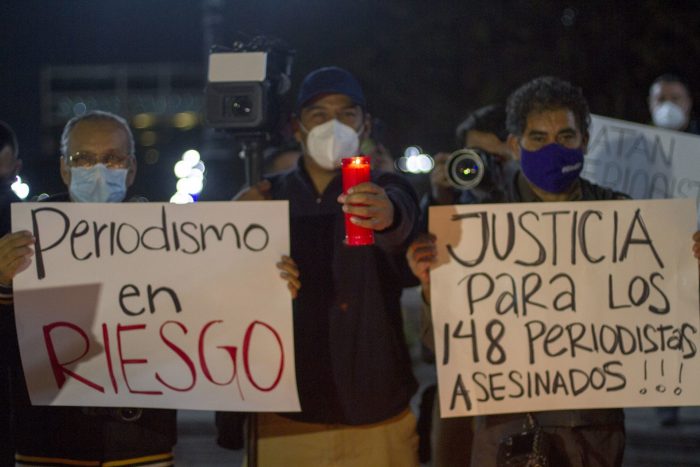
(424, 65)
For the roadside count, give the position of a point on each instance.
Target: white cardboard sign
(643, 161)
(157, 305)
(550, 306)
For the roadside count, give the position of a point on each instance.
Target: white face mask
(669, 115)
(329, 142)
(97, 184)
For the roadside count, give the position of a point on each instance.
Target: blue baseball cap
(329, 80)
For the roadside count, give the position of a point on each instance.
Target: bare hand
(420, 256)
(290, 272)
(259, 192)
(15, 254)
(369, 206)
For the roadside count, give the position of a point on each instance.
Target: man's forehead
(669, 87)
(99, 137)
(330, 101)
(98, 131)
(544, 119)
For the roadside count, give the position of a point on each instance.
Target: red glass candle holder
(356, 171)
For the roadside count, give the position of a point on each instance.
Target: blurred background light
(20, 188)
(415, 161)
(190, 173)
(181, 198)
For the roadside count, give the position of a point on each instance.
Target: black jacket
(518, 192)
(352, 363)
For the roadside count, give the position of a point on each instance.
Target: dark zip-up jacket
(352, 363)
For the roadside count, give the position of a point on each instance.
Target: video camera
(467, 169)
(245, 83)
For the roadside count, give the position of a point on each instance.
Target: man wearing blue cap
(353, 369)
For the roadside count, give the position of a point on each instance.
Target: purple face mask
(552, 168)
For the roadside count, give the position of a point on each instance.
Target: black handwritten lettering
(40, 249)
(129, 290)
(510, 239)
(484, 239)
(645, 240)
(92, 240)
(542, 253)
(495, 330)
(459, 390)
(79, 232)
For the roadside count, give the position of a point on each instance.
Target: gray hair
(96, 116)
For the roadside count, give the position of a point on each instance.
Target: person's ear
(65, 171)
(514, 146)
(131, 174)
(584, 142)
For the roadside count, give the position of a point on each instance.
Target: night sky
(424, 65)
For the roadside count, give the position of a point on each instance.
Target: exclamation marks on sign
(678, 389)
(661, 388)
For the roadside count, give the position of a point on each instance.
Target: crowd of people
(353, 367)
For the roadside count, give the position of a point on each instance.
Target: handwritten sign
(549, 306)
(643, 161)
(157, 305)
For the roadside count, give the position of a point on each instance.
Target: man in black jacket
(353, 368)
(97, 165)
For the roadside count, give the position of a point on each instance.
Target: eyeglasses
(110, 159)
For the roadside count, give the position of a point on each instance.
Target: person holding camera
(485, 134)
(483, 131)
(353, 369)
(548, 121)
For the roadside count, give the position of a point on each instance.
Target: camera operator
(484, 130)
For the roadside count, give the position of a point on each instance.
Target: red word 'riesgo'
(61, 369)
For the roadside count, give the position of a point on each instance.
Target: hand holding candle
(367, 207)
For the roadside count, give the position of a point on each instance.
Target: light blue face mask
(97, 184)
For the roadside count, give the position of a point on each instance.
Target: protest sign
(643, 161)
(550, 306)
(157, 305)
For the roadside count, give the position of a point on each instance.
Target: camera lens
(238, 106)
(465, 169)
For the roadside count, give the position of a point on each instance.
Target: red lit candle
(356, 171)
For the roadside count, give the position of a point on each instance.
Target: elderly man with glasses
(97, 165)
